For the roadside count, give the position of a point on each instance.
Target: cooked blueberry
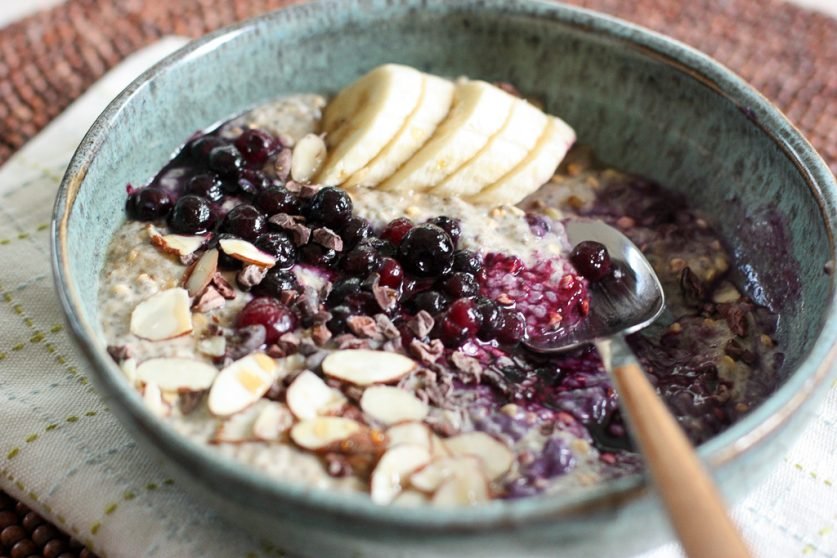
(426, 251)
(191, 215)
(591, 260)
(278, 245)
(432, 302)
(252, 181)
(343, 289)
(449, 332)
(513, 328)
(277, 199)
(467, 261)
(383, 247)
(276, 282)
(339, 315)
(206, 185)
(461, 284)
(396, 230)
(201, 147)
(361, 260)
(149, 204)
(270, 313)
(538, 224)
(391, 274)
(492, 318)
(226, 161)
(449, 225)
(355, 230)
(331, 206)
(314, 254)
(244, 221)
(463, 312)
(255, 146)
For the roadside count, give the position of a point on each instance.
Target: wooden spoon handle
(694, 505)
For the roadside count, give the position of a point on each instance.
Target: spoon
(626, 301)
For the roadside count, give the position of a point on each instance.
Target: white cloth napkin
(66, 456)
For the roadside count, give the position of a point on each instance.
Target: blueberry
(513, 328)
(255, 146)
(149, 204)
(463, 313)
(342, 289)
(426, 251)
(277, 199)
(383, 247)
(396, 230)
(591, 260)
(391, 274)
(432, 302)
(461, 284)
(276, 282)
(206, 185)
(244, 221)
(331, 206)
(278, 245)
(449, 225)
(226, 161)
(316, 255)
(251, 181)
(492, 318)
(191, 215)
(361, 260)
(355, 230)
(202, 146)
(467, 261)
(339, 315)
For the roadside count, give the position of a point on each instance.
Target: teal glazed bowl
(646, 103)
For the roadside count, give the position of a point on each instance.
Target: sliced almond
(411, 499)
(199, 276)
(391, 405)
(495, 456)
(246, 252)
(394, 468)
(174, 374)
(162, 316)
(241, 384)
(129, 368)
(462, 490)
(239, 427)
(153, 399)
(213, 346)
(308, 156)
(364, 367)
(412, 433)
(175, 244)
(273, 421)
(309, 396)
(436, 472)
(318, 433)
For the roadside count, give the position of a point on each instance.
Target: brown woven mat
(50, 58)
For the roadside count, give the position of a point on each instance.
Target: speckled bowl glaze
(646, 103)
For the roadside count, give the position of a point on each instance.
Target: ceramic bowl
(646, 103)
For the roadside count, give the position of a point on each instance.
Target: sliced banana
(433, 106)
(506, 149)
(365, 116)
(534, 171)
(479, 111)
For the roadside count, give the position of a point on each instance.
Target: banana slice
(534, 171)
(433, 106)
(505, 150)
(365, 116)
(479, 111)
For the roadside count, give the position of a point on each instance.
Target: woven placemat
(50, 58)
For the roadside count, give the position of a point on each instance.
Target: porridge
(336, 294)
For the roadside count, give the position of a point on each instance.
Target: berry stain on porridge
(335, 293)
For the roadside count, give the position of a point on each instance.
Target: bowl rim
(259, 490)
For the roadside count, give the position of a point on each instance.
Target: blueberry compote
(342, 280)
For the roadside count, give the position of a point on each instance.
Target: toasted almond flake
(391, 405)
(308, 156)
(213, 346)
(462, 490)
(289, 365)
(199, 276)
(173, 374)
(239, 427)
(495, 456)
(129, 368)
(394, 468)
(364, 367)
(175, 244)
(163, 315)
(273, 421)
(320, 432)
(411, 499)
(241, 384)
(153, 398)
(411, 433)
(437, 447)
(309, 396)
(436, 472)
(246, 252)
